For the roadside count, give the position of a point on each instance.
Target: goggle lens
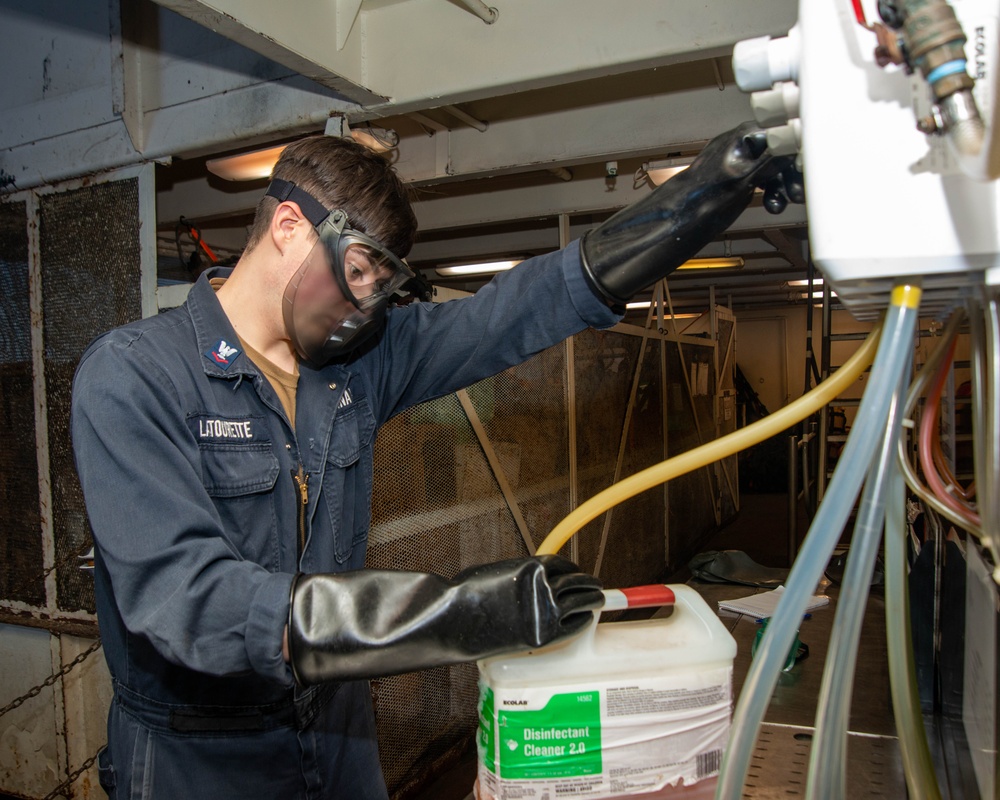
(370, 272)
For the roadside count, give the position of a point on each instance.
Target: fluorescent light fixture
(816, 282)
(638, 304)
(257, 164)
(492, 267)
(660, 171)
(728, 262)
(485, 268)
(815, 295)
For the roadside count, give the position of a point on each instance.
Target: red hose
(928, 426)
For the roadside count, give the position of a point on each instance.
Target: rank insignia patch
(223, 354)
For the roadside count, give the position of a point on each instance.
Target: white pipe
(486, 13)
(468, 119)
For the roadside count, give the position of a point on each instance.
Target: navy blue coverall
(185, 456)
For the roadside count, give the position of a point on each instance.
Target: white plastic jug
(626, 709)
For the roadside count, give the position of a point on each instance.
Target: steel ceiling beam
(568, 136)
(398, 55)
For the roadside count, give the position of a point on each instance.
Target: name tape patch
(218, 429)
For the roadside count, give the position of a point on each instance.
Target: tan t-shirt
(284, 383)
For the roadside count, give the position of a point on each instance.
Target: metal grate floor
(780, 764)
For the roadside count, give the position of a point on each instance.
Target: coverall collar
(222, 354)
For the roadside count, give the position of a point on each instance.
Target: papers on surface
(762, 606)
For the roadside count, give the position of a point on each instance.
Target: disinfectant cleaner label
(602, 738)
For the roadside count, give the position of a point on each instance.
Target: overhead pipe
(486, 13)
(430, 126)
(467, 118)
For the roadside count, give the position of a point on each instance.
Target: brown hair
(345, 175)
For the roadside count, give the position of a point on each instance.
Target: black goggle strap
(317, 214)
(313, 209)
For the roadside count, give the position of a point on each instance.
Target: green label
(562, 739)
(486, 741)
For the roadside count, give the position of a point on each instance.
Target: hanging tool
(194, 263)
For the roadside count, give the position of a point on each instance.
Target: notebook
(762, 606)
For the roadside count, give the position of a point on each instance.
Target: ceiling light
(491, 267)
(647, 303)
(257, 164)
(815, 295)
(485, 268)
(659, 171)
(728, 262)
(816, 282)
(252, 166)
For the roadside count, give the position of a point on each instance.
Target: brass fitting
(934, 38)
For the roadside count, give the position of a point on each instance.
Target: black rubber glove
(651, 238)
(370, 623)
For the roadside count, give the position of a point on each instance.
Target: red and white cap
(656, 594)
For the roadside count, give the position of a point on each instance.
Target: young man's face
(314, 306)
(337, 298)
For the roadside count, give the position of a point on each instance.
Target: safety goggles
(366, 270)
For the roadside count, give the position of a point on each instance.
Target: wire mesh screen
(20, 517)
(634, 549)
(439, 507)
(690, 400)
(525, 417)
(90, 259)
(605, 363)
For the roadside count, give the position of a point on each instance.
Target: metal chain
(34, 692)
(30, 581)
(60, 790)
(71, 560)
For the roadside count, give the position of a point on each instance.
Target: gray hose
(869, 428)
(828, 759)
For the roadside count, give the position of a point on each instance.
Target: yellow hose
(715, 450)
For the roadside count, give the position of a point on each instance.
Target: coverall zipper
(301, 479)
